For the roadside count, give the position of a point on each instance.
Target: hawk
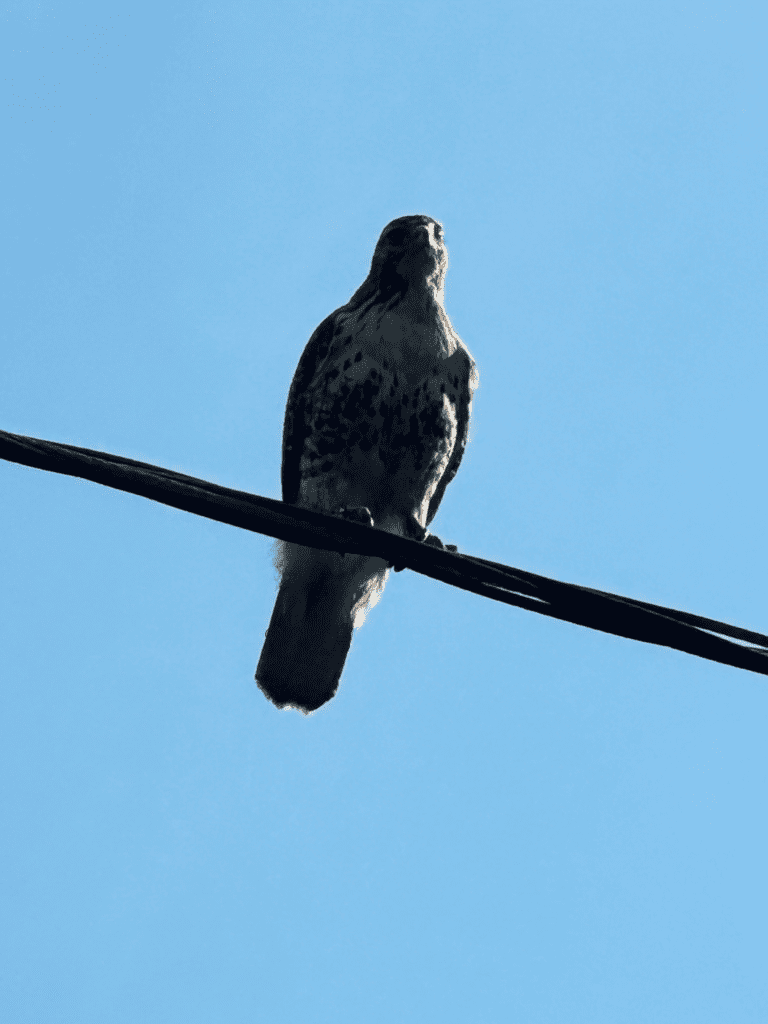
(375, 428)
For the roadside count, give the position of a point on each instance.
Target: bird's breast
(407, 336)
(382, 411)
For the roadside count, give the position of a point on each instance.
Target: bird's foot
(435, 542)
(414, 530)
(417, 532)
(356, 514)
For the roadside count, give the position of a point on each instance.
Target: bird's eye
(396, 237)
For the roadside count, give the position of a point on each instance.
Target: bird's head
(410, 253)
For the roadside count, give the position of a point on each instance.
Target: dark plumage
(375, 428)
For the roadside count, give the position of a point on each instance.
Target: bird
(375, 428)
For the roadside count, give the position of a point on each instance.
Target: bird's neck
(424, 295)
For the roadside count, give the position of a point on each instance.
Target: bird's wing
(296, 428)
(468, 382)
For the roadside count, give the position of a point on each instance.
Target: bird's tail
(322, 597)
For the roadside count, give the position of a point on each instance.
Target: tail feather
(320, 598)
(304, 652)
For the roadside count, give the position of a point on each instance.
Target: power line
(610, 613)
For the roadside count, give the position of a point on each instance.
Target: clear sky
(500, 818)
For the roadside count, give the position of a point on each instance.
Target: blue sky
(500, 817)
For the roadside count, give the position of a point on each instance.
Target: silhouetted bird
(375, 429)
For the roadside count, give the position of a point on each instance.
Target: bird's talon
(356, 514)
(433, 540)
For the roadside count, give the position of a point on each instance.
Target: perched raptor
(375, 429)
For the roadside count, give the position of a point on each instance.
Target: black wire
(610, 613)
